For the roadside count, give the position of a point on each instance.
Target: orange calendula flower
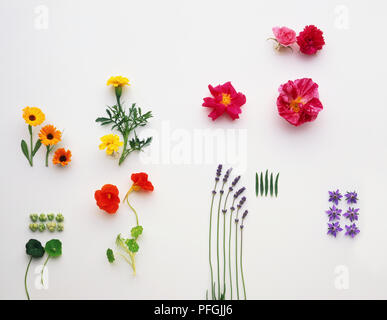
(49, 135)
(62, 157)
(118, 81)
(33, 116)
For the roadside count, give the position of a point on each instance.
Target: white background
(171, 50)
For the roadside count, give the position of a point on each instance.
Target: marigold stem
(31, 144)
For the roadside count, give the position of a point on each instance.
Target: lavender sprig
(244, 215)
(239, 192)
(217, 176)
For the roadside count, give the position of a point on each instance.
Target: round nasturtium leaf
(53, 248)
(34, 248)
(136, 231)
(132, 245)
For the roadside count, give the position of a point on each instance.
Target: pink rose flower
(224, 99)
(298, 101)
(284, 36)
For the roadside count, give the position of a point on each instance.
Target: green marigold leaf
(24, 148)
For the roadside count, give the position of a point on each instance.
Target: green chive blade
(261, 186)
(256, 184)
(276, 184)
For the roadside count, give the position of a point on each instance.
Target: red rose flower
(310, 40)
(299, 101)
(224, 99)
(107, 198)
(140, 182)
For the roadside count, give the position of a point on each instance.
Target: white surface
(171, 50)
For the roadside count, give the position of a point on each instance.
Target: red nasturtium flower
(107, 198)
(299, 101)
(140, 182)
(224, 99)
(310, 40)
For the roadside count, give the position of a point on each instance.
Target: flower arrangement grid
(126, 122)
(223, 277)
(107, 199)
(49, 136)
(335, 214)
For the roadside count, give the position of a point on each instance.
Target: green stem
(224, 245)
(217, 239)
(31, 144)
(135, 212)
(229, 247)
(25, 279)
(41, 273)
(124, 153)
(236, 254)
(47, 153)
(209, 243)
(132, 257)
(243, 279)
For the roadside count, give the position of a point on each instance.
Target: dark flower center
(50, 136)
(32, 117)
(62, 158)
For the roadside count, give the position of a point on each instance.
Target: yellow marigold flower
(49, 136)
(111, 142)
(33, 116)
(118, 81)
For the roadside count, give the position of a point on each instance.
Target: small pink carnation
(284, 36)
(298, 101)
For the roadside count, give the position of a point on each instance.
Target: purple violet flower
(335, 196)
(334, 213)
(352, 230)
(351, 197)
(352, 214)
(334, 228)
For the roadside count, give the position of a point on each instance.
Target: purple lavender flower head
(226, 175)
(334, 228)
(218, 172)
(352, 230)
(352, 214)
(245, 214)
(233, 184)
(335, 196)
(241, 202)
(238, 193)
(334, 213)
(351, 197)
